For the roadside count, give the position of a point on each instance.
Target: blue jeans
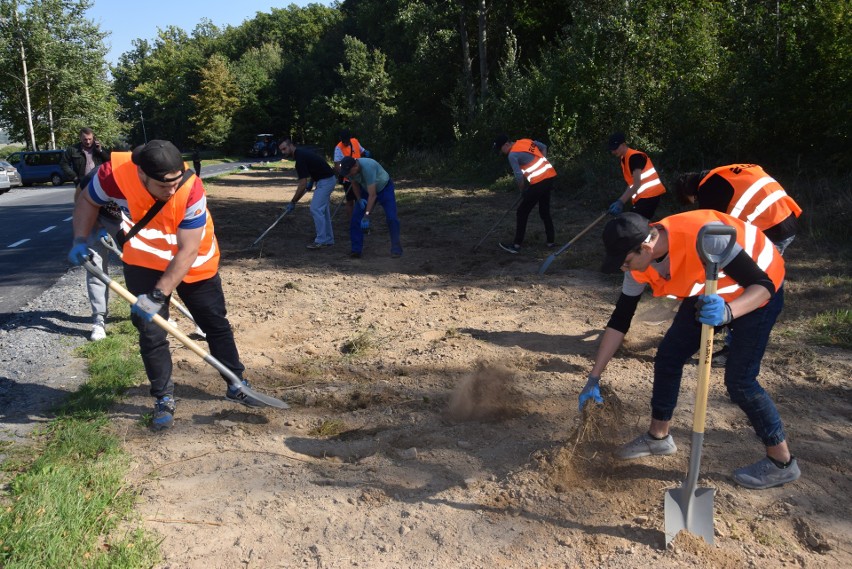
(387, 199)
(321, 212)
(748, 343)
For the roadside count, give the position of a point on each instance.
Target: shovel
(110, 244)
(552, 257)
(499, 221)
(688, 507)
(230, 377)
(274, 223)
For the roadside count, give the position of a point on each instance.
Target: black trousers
(646, 207)
(535, 194)
(206, 302)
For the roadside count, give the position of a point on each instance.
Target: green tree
(215, 103)
(68, 87)
(366, 99)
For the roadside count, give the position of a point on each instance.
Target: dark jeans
(535, 194)
(748, 343)
(387, 199)
(206, 302)
(646, 207)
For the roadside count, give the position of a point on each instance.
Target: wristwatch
(157, 295)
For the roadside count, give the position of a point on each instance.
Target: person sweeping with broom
(664, 256)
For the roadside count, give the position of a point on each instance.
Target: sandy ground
(433, 418)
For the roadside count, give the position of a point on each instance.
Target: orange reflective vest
(536, 170)
(155, 245)
(687, 273)
(758, 198)
(651, 185)
(354, 151)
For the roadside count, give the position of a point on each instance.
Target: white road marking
(68, 218)
(16, 243)
(46, 229)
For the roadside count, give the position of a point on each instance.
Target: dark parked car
(12, 172)
(39, 167)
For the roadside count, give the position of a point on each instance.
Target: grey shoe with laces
(646, 445)
(765, 474)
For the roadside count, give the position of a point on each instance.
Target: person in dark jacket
(80, 160)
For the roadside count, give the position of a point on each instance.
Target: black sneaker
(164, 413)
(237, 395)
(513, 249)
(355, 254)
(720, 358)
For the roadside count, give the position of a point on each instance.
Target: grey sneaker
(764, 474)
(510, 247)
(645, 445)
(98, 332)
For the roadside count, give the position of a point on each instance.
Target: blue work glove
(146, 307)
(365, 223)
(289, 207)
(362, 203)
(711, 309)
(591, 391)
(616, 208)
(79, 253)
(367, 154)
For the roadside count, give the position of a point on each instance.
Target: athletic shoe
(355, 254)
(645, 445)
(513, 249)
(720, 358)
(551, 245)
(237, 395)
(765, 474)
(98, 332)
(318, 245)
(164, 412)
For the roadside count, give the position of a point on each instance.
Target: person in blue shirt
(372, 185)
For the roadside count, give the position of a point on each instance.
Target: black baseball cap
(499, 141)
(158, 158)
(615, 140)
(621, 236)
(346, 165)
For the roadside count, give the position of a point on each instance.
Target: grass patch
(360, 344)
(66, 499)
(328, 428)
(832, 328)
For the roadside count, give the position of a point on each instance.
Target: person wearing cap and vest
(371, 185)
(644, 187)
(348, 146)
(750, 295)
(534, 176)
(747, 192)
(312, 166)
(175, 250)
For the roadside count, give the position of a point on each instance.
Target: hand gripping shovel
(552, 257)
(499, 221)
(110, 244)
(231, 378)
(688, 507)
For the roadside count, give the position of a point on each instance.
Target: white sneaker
(98, 333)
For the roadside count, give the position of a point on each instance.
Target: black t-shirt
(637, 162)
(311, 165)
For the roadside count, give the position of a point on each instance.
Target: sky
(140, 19)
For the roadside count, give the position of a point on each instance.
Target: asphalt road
(35, 235)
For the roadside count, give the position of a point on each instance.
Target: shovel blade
(692, 511)
(258, 399)
(547, 262)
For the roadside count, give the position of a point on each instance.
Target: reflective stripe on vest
(651, 185)
(155, 245)
(758, 198)
(538, 169)
(688, 274)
